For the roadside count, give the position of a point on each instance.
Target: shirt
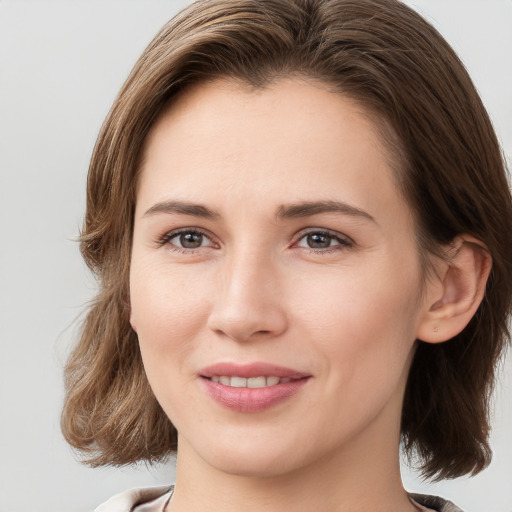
(156, 499)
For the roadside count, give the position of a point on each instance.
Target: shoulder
(149, 499)
(435, 503)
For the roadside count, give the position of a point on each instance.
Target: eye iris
(191, 240)
(318, 241)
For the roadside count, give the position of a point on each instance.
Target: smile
(251, 382)
(251, 388)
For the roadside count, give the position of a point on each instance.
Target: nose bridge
(248, 266)
(248, 295)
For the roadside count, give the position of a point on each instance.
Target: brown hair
(386, 56)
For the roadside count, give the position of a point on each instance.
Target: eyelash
(168, 237)
(344, 242)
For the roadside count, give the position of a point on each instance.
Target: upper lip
(257, 369)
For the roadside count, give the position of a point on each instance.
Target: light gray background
(61, 65)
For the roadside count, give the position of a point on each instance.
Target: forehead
(289, 141)
(282, 103)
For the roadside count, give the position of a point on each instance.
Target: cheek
(362, 321)
(168, 309)
(365, 337)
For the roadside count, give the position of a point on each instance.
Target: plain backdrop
(61, 65)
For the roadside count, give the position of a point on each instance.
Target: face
(275, 282)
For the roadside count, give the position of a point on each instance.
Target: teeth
(238, 382)
(256, 382)
(272, 381)
(252, 382)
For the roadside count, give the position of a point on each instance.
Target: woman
(292, 211)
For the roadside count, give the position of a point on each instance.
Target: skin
(347, 314)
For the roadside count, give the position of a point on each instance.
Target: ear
(453, 297)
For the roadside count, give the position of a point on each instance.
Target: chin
(253, 468)
(257, 460)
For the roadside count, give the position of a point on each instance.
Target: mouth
(251, 387)
(252, 375)
(251, 382)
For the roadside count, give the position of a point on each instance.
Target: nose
(248, 305)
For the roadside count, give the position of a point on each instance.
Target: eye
(321, 240)
(186, 239)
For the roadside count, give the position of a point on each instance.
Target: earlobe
(453, 300)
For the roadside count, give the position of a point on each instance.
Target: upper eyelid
(192, 229)
(169, 235)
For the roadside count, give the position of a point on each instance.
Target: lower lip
(252, 399)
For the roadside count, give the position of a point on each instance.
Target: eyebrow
(183, 208)
(294, 210)
(316, 207)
